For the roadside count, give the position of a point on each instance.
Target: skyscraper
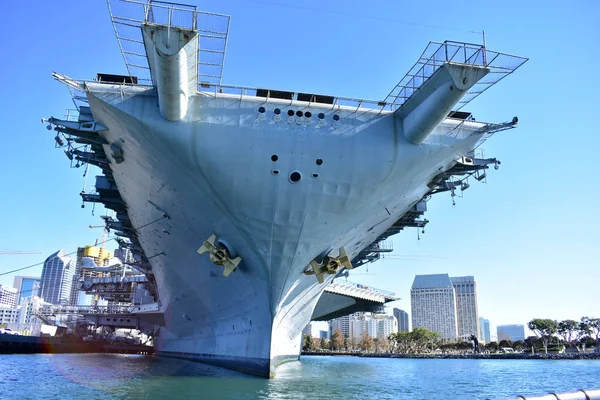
(511, 332)
(26, 286)
(402, 317)
(433, 304)
(467, 316)
(484, 327)
(57, 278)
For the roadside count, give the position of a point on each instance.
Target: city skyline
(503, 232)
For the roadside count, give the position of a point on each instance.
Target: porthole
(319, 161)
(261, 110)
(336, 117)
(299, 113)
(321, 116)
(315, 175)
(277, 111)
(291, 113)
(274, 157)
(275, 172)
(295, 177)
(308, 114)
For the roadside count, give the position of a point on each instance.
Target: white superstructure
(243, 204)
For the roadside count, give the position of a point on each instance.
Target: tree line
(578, 334)
(549, 333)
(340, 343)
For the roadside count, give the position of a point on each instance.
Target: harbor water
(109, 376)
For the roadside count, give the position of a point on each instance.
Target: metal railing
(85, 309)
(437, 54)
(364, 287)
(128, 16)
(338, 102)
(589, 394)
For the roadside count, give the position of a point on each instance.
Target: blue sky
(529, 236)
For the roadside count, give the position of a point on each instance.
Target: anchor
(219, 255)
(329, 265)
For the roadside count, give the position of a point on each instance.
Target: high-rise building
(433, 304)
(467, 317)
(402, 317)
(381, 325)
(57, 278)
(27, 286)
(484, 327)
(8, 296)
(341, 323)
(511, 332)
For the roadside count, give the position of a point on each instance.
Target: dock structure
(17, 344)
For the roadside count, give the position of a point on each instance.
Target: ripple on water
(106, 376)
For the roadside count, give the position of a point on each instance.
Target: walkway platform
(343, 298)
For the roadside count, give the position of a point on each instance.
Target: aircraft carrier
(241, 204)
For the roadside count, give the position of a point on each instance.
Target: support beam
(172, 56)
(435, 98)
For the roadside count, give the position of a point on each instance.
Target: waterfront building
(433, 304)
(8, 296)
(26, 286)
(9, 315)
(381, 325)
(511, 332)
(24, 318)
(31, 307)
(341, 323)
(57, 278)
(402, 317)
(484, 326)
(467, 317)
(375, 325)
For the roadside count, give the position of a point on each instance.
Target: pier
(17, 344)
